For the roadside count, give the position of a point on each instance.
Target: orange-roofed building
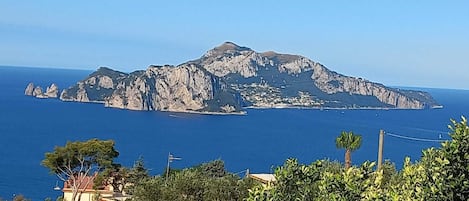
(87, 193)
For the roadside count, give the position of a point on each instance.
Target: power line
(426, 130)
(246, 170)
(414, 138)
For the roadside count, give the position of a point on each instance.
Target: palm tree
(350, 142)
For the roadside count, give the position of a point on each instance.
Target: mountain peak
(230, 46)
(107, 71)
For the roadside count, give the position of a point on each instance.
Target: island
(229, 78)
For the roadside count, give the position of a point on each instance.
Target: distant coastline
(337, 108)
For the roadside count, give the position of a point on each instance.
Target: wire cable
(237, 173)
(426, 130)
(413, 138)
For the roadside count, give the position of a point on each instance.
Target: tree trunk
(348, 159)
(74, 194)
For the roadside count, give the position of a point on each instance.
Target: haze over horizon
(397, 43)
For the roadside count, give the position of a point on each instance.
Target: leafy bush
(441, 174)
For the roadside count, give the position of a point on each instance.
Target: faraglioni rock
(228, 78)
(51, 92)
(29, 89)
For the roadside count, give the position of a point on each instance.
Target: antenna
(171, 158)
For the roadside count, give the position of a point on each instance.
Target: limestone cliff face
(331, 83)
(184, 88)
(290, 78)
(96, 88)
(229, 77)
(230, 58)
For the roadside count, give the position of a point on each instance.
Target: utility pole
(171, 158)
(380, 149)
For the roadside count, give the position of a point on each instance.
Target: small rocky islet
(229, 78)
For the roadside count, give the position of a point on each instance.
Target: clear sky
(395, 42)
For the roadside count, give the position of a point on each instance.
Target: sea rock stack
(52, 91)
(29, 89)
(36, 91)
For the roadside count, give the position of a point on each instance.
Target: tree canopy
(350, 142)
(208, 181)
(77, 160)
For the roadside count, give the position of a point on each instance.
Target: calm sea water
(260, 141)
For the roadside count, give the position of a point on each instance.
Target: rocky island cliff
(230, 77)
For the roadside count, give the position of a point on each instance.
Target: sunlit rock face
(229, 77)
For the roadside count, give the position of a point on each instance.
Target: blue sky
(398, 43)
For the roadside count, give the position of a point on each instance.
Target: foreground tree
(456, 155)
(350, 142)
(322, 180)
(136, 175)
(77, 160)
(208, 181)
(116, 176)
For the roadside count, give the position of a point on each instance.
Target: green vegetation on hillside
(441, 174)
(209, 181)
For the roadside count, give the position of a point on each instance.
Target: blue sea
(259, 141)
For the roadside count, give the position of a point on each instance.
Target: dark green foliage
(116, 176)
(455, 153)
(296, 181)
(390, 174)
(80, 159)
(95, 93)
(224, 97)
(105, 71)
(75, 156)
(208, 181)
(150, 189)
(138, 172)
(214, 168)
(136, 175)
(350, 142)
(321, 180)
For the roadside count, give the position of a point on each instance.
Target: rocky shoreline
(52, 93)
